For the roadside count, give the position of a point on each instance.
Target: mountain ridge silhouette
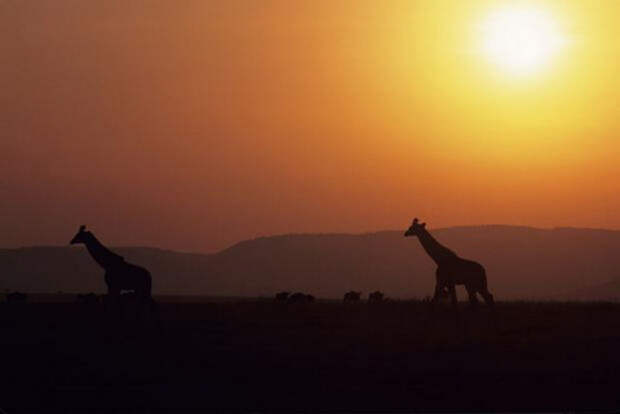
(522, 263)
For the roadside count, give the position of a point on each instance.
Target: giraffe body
(128, 277)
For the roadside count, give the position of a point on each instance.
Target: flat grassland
(261, 355)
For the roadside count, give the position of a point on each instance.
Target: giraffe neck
(101, 254)
(434, 249)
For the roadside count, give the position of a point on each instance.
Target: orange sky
(192, 125)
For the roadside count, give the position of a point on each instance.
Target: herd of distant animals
(121, 275)
(349, 297)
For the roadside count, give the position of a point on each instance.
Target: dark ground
(259, 355)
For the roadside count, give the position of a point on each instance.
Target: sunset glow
(520, 40)
(198, 125)
(310, 205)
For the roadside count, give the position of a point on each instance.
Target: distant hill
(521, 263)
(608, 291)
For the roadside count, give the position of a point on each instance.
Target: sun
(521, 41)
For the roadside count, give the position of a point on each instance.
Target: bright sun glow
(520, 40)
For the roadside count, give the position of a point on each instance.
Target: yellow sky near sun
(224, 120)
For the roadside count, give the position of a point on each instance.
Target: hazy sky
(195, 124)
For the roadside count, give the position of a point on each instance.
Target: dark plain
(262, 355)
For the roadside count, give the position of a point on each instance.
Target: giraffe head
(80, 236)
(415, 228)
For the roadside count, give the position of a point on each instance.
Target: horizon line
(366, 233)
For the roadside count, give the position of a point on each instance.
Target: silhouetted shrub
(87, 298)
(300, 297)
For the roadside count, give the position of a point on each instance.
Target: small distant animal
(452, 270)
(87, 298)
(376, 297)
(300, 297)
(352, 296)
(16, 297)
(282, 296)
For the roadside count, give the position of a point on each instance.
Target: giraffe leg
(113, 296)
(438, 292)
(452, 292)
(113, 301)
(473, 300)
(143, 305)
(488, 298)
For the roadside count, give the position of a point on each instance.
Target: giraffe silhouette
(119, 274)
(451, 269)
